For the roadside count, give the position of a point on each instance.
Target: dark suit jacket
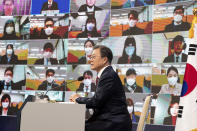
(14, 59)
(11, 111)
(83, 8)
(109, 104)
(53, 7)
(133, 31)
(14, 86)
(81, 86)
(167, 120)
(184, 26)
(41, 61)
(170, 59)
(43, 86)
(137, 89)
(134, 59)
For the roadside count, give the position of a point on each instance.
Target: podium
(53, 117)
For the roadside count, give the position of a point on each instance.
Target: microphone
(81, 78)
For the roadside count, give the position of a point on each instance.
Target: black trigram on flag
(192, 49)
(180, 111)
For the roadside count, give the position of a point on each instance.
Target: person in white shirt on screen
(173, 87)
(89, 6)
(47, 56)
(88, 47)
(6, 108)
(87, 85)
(49, 5)
(178, 45)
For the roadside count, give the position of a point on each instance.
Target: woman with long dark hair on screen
(90, 28)
(129, 55)
(9, 57)
(88, 47)
(9, 32)
(6, 108)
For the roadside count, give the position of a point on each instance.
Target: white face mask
(132, 23)
(8, 79)
(172, 80)
(87, 82)
(5, 104)
(9, 30)
(178, 18)
(130, 81)
(88, 50)
(173, 111)
(130, 109)
(49, 31)
(130, 50)
(9, 51)
(47, 55)
(90, 26)
(50, 79)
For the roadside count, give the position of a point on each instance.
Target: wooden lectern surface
(53, 117)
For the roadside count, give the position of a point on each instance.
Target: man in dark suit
(133, 29)
(49, 5)
(109, 100)
(177, 45)
(87, 85)
(47, 59)
(130, 82)
(49, 83)
(89, 6)
(178, 24)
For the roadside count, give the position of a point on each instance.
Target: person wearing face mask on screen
(47, 56)
(129, 55)
(90, 29)
(49, 83)
(88, 47)
(6, 108)
(130, 82)
(130, 108)
(89, 6)
(9, 31)
(173, 87)
(172, 111)
(178, 24)
(87, 85)
(133, 29)
(48, 31)
(9, 57)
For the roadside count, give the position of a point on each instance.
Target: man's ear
(105, 60)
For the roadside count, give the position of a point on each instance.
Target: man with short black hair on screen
(47, 56)
(178, 24)
(49, 83)
(178, 45)
(133, 29)
(89, 6)
(49, 5)
(109, 101)
(8, 8)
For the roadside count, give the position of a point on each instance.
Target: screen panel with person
(134, 21)
(168, 78)
(46, 78)
(13, 7)
(81, 78)
(11, 80)
(88, 25)
(174, 17)
(14, 27)
(89, 5)
(50, 7)
(13, 52)
(49, 27)
(170, 47)
(47, 52)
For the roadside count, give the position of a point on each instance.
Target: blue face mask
(130, 50)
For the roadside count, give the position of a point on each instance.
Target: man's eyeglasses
(49, 26)
(94, 57)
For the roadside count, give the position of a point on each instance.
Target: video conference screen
(46, 46)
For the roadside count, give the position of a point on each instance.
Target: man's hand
(74, 97)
